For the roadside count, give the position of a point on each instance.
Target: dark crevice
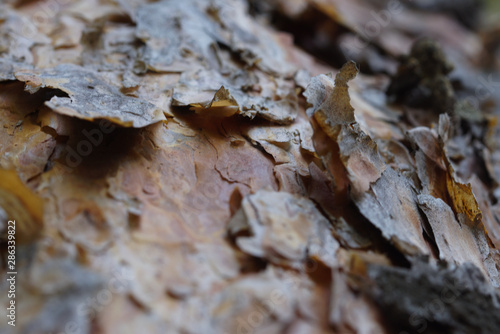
(24, 102)
(314, 32)
(325, 39)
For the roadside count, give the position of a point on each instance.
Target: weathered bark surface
(184, 167)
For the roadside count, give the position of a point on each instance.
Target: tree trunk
(231, 166)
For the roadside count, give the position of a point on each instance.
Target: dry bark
(183, 167)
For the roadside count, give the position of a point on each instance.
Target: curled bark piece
(283, 229)
(456, 242)
(211, 93)
(385, 198)
(90, 97)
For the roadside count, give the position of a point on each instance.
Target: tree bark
(231, 166)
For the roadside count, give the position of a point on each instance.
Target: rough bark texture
(231, 166)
